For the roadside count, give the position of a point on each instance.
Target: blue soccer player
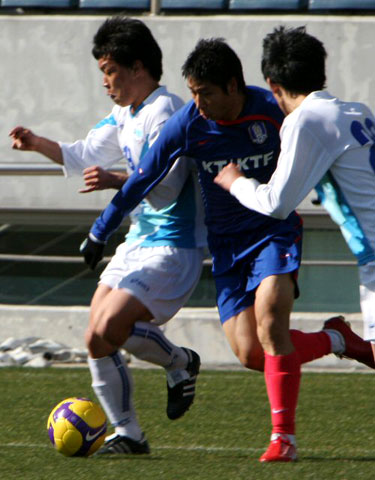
(255, 257)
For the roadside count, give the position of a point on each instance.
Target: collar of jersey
(247, 118)
(138, 109)
(146, 100)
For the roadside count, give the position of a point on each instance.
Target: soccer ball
(77, 427)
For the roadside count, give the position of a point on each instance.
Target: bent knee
(110, 328)
(252, 359)
(97, 345)
(93, 341)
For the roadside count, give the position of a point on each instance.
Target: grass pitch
(221, 438)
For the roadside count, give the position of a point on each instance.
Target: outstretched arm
(298, 170)
(25, 140)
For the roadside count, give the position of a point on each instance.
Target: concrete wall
(51, 84)
(197, 328)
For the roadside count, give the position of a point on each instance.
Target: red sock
(282, 374)
(310, 346)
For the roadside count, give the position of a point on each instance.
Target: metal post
(155, 7)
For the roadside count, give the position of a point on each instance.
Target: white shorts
(367, 299)
(161, 278)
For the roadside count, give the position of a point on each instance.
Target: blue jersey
(251, 141)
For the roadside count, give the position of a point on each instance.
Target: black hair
(214, 61)
(126, 40)
(294, 59)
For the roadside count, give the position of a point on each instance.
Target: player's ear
(274, 87)
(137, 66)
(232, 86)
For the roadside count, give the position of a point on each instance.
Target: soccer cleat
(118, 444)
(281, 449)
(181, 396)
(355, 347)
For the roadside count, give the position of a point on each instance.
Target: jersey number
(365, 134)
(128, 156)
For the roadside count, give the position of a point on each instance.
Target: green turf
(221, 437)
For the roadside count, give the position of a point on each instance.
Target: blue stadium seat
(131, 4)
(342, 5)
(40, 3)
(268, 4)
(194, 4)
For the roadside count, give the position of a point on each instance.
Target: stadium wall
(196, 328)
(52, 84)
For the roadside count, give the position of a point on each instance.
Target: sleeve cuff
(96, 240)
(242, 184)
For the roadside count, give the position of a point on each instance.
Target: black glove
(316, 201)
(92, 251)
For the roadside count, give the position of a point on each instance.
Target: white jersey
(324, 135)
(172, 214)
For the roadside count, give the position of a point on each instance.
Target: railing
(43, 216)
(313, 217)
(155, 7)
(69, 265)
(25, 169)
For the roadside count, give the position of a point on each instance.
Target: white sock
(337, 341)
(291, 438)
(147, 342)
(113, 385)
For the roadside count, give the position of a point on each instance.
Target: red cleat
(281, 449)
(355, 347)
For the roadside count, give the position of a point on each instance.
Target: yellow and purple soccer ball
(77, 427)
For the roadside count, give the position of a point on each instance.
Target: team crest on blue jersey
(258, 132)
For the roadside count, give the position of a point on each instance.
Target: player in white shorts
(331, 197)
(156, 269)
(367, 299)
(321, 135)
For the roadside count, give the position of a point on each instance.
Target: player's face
(120, 82)
(211, 100)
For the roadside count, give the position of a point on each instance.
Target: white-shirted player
(358, 232)
(155, 270)
(321, 136)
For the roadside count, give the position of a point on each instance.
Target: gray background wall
(51, 83)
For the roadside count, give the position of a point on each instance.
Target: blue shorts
(240, 265)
